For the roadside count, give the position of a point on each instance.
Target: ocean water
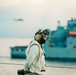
(10, 66)
(6, 43)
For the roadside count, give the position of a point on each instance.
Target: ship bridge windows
(22, 49)
(12, 49)
(17, 49)
(71, 26)
(57, 43)
(74, 25)
(74, 46)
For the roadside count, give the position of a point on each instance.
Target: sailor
(35, 55)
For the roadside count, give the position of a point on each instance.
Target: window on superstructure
(17, 49)
(12, 49)
(22, 49)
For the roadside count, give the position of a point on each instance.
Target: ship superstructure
(61, 43)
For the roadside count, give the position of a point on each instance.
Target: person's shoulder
(34, 45)
(34, 42)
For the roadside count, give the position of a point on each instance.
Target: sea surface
(10, 66)
(6, 43)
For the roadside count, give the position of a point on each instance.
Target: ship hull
(60, 52)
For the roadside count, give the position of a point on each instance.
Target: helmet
(46, 31)
(43, 32)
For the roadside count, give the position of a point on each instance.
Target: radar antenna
(58, 23)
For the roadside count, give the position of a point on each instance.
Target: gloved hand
(22, 72)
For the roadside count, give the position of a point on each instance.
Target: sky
(35, 14)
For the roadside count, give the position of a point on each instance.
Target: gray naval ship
(60, 44)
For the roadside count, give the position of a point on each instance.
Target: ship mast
(58, 23)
